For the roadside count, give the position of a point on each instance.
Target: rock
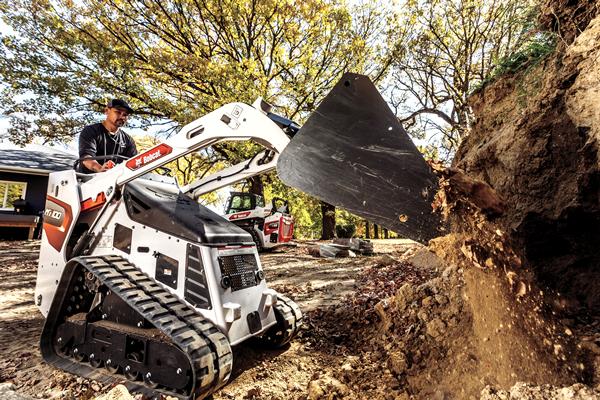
(6, 386)
(404, 296)
(422, 315)
(119, 392)
(441, 299)
(352, 360)
(435, 327)
(449, 271)
(386, 260)
(315, 391)
(426, 260)
(591, 346)
(327, 387)
(380, 309)
(253, 393)
(397, 362)
(430, 287)
(333, 250)
(427, 301)
(364, 247)
(7, 392)
(347, 367)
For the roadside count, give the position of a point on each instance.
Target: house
(23, 184)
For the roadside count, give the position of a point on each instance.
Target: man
(107, 139)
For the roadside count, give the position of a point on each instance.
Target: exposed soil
(320, 286)
(536, 142)
(400, 324)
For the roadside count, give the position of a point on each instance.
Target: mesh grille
(241, 269)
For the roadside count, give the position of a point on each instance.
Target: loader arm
(232, 122)
(351, 152)
(262, 162)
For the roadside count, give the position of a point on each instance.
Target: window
(11, 191)
(260, 202)
(240, 203)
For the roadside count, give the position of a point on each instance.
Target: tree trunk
(256, 185)
(328, 213)
(386, 233)
(367, 230)
(376, 231)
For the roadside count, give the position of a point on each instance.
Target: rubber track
(297, 314)
(207, 348)
(292, 320)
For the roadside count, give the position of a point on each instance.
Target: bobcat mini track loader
(139, 282)
(270, 226)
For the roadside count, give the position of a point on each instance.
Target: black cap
(118, 103)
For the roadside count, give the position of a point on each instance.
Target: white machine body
(212, 264)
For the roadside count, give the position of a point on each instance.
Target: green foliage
(173, 60)
(525, 58)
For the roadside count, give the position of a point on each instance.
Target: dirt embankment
(531, 272)
(536, 141)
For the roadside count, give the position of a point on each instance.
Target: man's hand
(95, 166)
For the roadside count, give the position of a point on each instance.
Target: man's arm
(94, 165)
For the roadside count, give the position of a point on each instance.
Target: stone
(386, 260)
(333, 250)
(119, 392)
(404, 296)
(426, 260)
(7, 392)
(436, 327)
(427, 301)
(397, 362)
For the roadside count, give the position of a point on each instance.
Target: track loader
(270, 225)
(139, 282)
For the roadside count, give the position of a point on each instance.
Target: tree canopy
(174, 60)
(446, 49)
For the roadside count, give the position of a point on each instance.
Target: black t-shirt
(95, 141)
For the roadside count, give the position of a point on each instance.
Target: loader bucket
(353, 153)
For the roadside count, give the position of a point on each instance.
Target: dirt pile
(536, 142)
(476, 318)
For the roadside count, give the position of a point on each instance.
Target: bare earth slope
(536, 141)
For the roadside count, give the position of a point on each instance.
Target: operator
(107, 139)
